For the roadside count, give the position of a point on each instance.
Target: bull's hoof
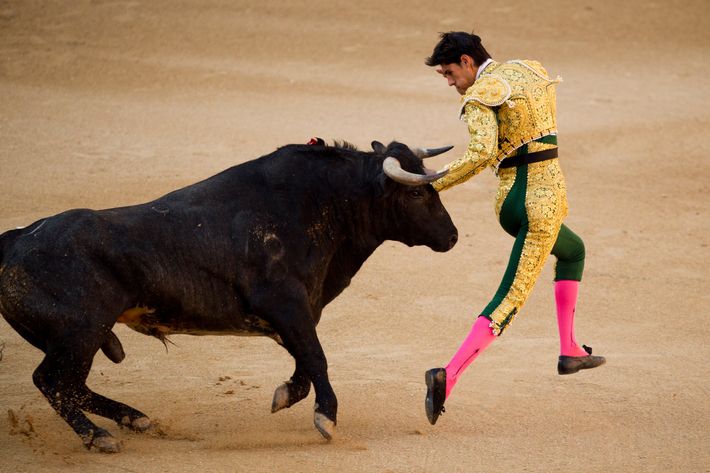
(281, 399)
(105, 444)
(325, 426)
(141, 424)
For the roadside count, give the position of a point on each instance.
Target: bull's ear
(378, 147)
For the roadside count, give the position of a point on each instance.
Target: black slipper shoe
(435, 394)
(572, 364)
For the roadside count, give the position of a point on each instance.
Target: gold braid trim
(481, 150)
(546, 208)
(489, 90)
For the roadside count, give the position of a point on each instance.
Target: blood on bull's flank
(258, 249)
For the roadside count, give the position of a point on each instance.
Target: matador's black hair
(453, 45)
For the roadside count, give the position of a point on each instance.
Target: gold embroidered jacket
(509, 105)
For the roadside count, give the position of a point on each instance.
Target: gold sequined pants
(531, 204)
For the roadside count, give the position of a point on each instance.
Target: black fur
(260, 248)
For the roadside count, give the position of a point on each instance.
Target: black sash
(521, 159)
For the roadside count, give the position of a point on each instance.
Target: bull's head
(416, 215)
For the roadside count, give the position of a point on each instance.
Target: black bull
(258, 249)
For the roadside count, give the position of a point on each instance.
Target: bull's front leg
(290, 316)
(292, 391)
(307, 350)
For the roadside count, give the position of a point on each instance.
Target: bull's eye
(416, 194)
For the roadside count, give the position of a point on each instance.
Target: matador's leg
(569, 250)
(532, 211)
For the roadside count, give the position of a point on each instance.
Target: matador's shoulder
(488, 90)
(534, 66)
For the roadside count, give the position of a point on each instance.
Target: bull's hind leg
(94, 403)
(122, 414)
(61, 377)
(291, 391)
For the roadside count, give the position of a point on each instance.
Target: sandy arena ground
(110, 103)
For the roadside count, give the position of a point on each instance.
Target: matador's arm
(481, 151)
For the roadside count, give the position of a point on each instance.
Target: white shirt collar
(483, 66)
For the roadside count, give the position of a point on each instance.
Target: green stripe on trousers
(568, 247)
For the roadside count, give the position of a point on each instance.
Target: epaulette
(537, 69)
(487, 90)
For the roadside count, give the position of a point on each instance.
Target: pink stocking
(566, 299)
(477, 340)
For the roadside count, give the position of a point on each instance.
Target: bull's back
(105, 264)
(189, 256)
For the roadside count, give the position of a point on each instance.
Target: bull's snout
(452, 241)
(444, 241)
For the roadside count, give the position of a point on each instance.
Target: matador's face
(462, 75)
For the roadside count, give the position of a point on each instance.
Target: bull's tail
(112, 345)
(6, 239)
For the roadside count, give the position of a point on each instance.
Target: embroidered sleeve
(481, 151)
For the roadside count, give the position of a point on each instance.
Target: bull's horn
(394, 171)
(423, 153)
